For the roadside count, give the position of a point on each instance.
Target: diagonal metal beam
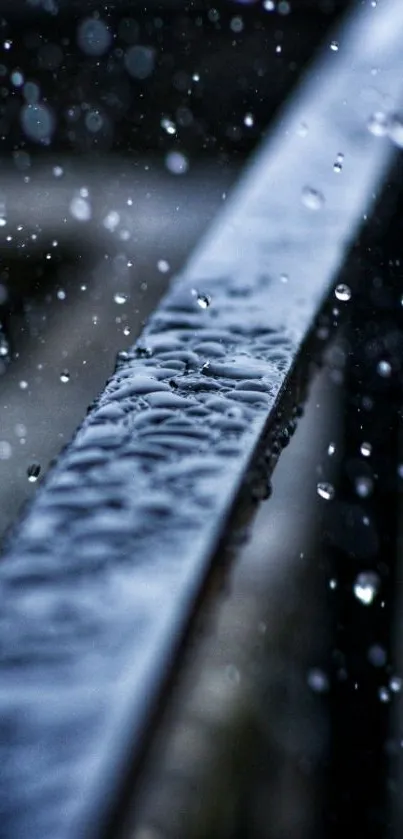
(100, 579)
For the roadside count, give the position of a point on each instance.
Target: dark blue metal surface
(98, 582)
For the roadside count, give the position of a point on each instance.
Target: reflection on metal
(102, 576)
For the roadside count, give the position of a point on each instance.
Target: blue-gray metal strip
(99, 580)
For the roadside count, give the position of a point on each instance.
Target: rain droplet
(65, 376)
(126, 330)
(366, 587)
(378, 124)
(112, 220)
(23, 384)
(61, 294)
(249, 120)
(384, 694)
(331, 449)
(176, 163)
(338, 164)
(377, 656)
(33, 472)
(395, 684)
(325, 490)
(168, 125)
(139, 61)
(343, 292)
(37, 122)
(203, 300)
(163, 266)
(366, 449)
(120, 298)
(334, 46)
(364, 486)
(333, 584)
(384, 368)
(80, 208)
(312, 198)
(4, 348)
(318, 680)
(93, 37)
(58, 171)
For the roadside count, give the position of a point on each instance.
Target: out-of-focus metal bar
(101, 578)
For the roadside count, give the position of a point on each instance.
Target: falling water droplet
(325, 490)
(65, 376)
(338, 164)
(395, 684)
(384, 368)
(312, 198)
(343, 292)
(33, 472)
(163, 266)
(384, 694)
(249, 120)
(318, 680)
(378, 124)
(363, 486)
(366, 587)
(120, 298)
(366, 449)
(334, 46)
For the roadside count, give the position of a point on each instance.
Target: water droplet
(338, 164)
(23, 384)
(366, 449)
(126, 330)
(80, 208)
(302, 129)
(163, 266)
(343, 292)
(366, 587)
(168, 125)
(363, 486)
(176, 163)
(33, 472)
(377, 656)
(378, 124)
(4, 348)
(17, 79)
(325, 490)
(331, 449)
(139, 61)
(269, 5)
(112, 220)
(61, 294)
(93, 37)
(318, 680)
(333, 584)
(384, 694)
(284, 278)
(384, 368)
(249, 120)
(65, 376)
(203, 300)
(312, 198)
(395, 684)
(120, 298)
(334, 46)
(37, 122)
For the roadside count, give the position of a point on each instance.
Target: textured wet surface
(100, 578)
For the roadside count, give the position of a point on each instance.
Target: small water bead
(363, 486)
(325, 490)
(163, 266)
(61, 294)
(120, 298)
(176, 163)
(384, 694)
(338, 164)
(334, 46)
(366, 587)
(343, 292)
(58, 171)
(33, 472)
(395, 684)
(378, 124)
(377, 656)
(80, 208)
(331, 449)
(37, 122)
(140, 61)
(249, 120)
(366, 449)
(318, 680)
(384, 368)
(23, 384)
(111, 220)
(269, 5)
(93, 37)
(168, 125)
(278, 48)
(126, 330)
(65, 376)
(4, 347)
(204, 300)
(17, 79)
(333, 584)
(312, 198)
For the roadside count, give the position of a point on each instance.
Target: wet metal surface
(101, 577)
